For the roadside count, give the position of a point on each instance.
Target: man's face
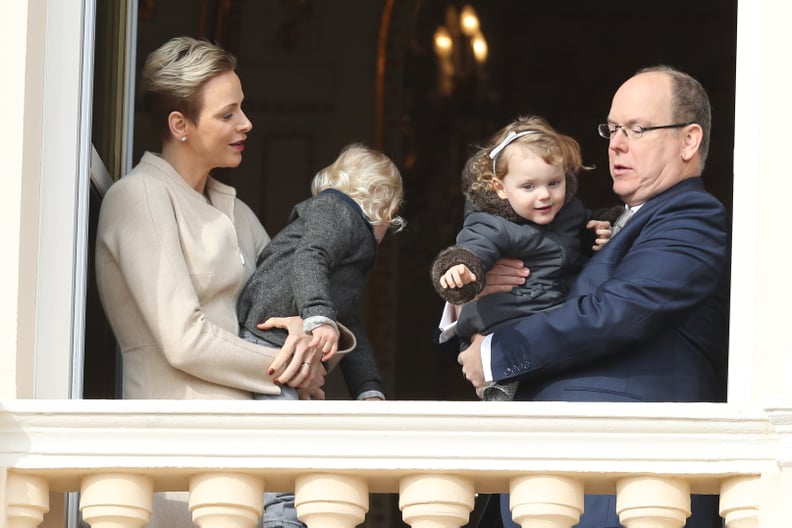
(644, 167)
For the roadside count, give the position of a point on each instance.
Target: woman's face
(218, 136)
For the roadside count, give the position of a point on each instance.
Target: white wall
(760, 358)
(21, 53)
(12, 29)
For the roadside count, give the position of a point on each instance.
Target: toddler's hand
(325, 339)
(457, 276)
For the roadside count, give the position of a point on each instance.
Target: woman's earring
(183, 139)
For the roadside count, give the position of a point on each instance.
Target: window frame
(63, 244)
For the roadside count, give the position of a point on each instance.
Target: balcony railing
(435, 455)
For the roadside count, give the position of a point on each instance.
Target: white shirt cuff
(371, 394)
(486, 357)
(315, 321)
(447, 323)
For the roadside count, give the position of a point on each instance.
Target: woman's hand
(298, 364)
(312, 387)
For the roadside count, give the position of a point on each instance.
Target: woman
(175, 247)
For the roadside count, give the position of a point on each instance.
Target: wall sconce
(468, 21)
(443, 45)
(480, 48)
(460, 47)
(444, 49)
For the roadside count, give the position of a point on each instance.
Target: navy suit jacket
(646, 320)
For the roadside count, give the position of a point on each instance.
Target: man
(646, 320)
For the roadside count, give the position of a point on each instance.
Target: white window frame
(65, 166)
(760, 367)
(66, 156)
(742, 329)
(68, 163)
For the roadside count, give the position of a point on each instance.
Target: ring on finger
(306, 364)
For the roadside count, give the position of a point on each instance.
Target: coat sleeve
(138, 246)
(359, 367)
(487, 236)
(483, 239)
(449, 258)
(324, 243)
(258, 236)
(676, 261)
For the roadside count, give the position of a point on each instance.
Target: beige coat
(169, 269)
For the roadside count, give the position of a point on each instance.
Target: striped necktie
(623, 219)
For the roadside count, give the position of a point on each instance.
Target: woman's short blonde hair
(174, 76)
(370, 178)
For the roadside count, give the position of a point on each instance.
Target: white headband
(511, 136)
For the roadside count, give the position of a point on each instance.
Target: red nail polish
(271, 371)
(277, 382)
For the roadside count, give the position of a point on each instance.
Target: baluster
(226, 500)
(331, 501)
(115, 500)
(546, 501)
(739, 502)
(27, 500)
(653, 502)
(432, 501)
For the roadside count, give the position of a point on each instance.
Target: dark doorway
(313, 86)
(561, 60)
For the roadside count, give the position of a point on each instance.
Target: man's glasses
(607, 130)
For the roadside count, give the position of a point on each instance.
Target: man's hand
(602, 231)
(470, 359)
(505, 275)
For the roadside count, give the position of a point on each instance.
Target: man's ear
(691, 141)
(177, 123)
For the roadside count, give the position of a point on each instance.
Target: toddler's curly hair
(370, 178)
(543, 140)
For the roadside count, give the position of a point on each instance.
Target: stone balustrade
(436, 455)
